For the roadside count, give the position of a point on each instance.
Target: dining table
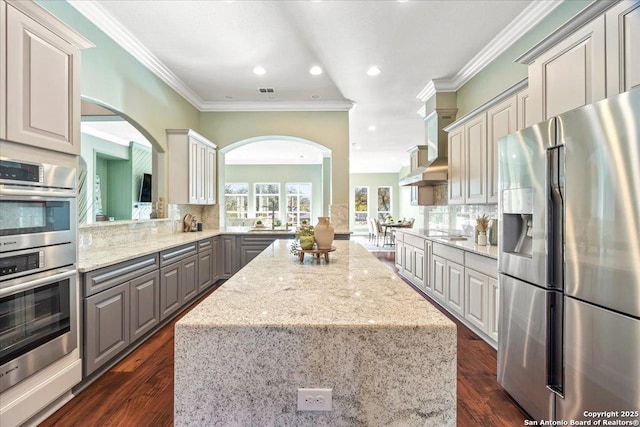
(388, 239)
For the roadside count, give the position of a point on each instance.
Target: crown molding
(526, 20)
(279, 106)
(422, 112)
(44, 17)
(583, 17)
(102, 19)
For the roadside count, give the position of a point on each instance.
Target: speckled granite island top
(350, 324)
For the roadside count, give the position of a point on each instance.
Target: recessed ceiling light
(259, 71)
(373, 71)
(315, 70)
(371, 128)
(315, 96)
(229, 97)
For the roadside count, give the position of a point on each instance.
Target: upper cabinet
(501, 121)
(473, 146)
(623, 47)
(41, 56)
(192, 168)
(596, 54)
(570, 74)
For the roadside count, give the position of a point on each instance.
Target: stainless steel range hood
(434, 173)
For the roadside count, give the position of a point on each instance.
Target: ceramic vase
(324, 233)
(482, 238)
(306, 242)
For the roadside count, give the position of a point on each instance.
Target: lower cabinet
(227, 256)
(107, 326)
(465, 284)
(144, 304)
(410, 259)
(124, 302)
(476, 295)
(454, 287)
(178, 285)
(119, 316)
(205, 269)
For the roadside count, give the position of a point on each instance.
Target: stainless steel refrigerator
(569, 262)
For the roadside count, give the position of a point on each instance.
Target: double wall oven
(38, 280)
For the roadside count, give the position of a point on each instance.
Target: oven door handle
(35, 283)
(20, 190)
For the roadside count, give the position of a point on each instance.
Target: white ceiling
(208, 49)
(274, 152)
(117, 131)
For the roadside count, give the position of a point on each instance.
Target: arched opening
(277, 179)
(119, 173)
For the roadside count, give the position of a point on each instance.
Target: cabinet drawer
(204, 245)
(107, 277)
(452, 254)
(482, 264)
(399, 236)
(176, 254)
(414, 241)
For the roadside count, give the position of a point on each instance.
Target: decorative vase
(482, 238)
(306, 242)
(324, 233)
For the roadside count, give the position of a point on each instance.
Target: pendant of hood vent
(429, 163)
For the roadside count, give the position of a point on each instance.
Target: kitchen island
(349, 324)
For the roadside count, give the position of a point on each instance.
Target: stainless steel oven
(37, 204)
(38, 277)
(37, 322)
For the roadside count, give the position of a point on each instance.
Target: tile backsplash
(458, 218)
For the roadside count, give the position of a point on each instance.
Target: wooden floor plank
(138, 391)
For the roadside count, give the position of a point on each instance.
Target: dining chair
(370, 225)
(377, 230)
(410, 222)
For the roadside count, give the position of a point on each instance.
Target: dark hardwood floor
(138, 391)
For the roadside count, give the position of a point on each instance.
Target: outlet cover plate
(314, 399)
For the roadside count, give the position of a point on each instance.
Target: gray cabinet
(121, 304)
(178, 278)
(252, 245)
(190, 288)
(107, 326)
(144, 304)
(227, 257)
(169, 290)
(215, 259)
(205, 269)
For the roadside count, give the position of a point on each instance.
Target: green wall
(278, 173)
(373, 181)
(503, 72)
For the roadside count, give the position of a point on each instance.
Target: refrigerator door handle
(555, 217)
(555, 268)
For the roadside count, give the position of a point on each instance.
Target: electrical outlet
(314, 399)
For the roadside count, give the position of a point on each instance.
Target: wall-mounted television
(145, 188)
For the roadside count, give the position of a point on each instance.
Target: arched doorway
(277, 178)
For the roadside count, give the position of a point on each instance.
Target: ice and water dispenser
(517, 221)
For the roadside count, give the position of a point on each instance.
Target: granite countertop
(352, 289)
(467, 245)
(95, 258)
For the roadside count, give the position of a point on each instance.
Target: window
(362, 205)
(298, 202)
(236, 199)
(267, 200)
(384, 202)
